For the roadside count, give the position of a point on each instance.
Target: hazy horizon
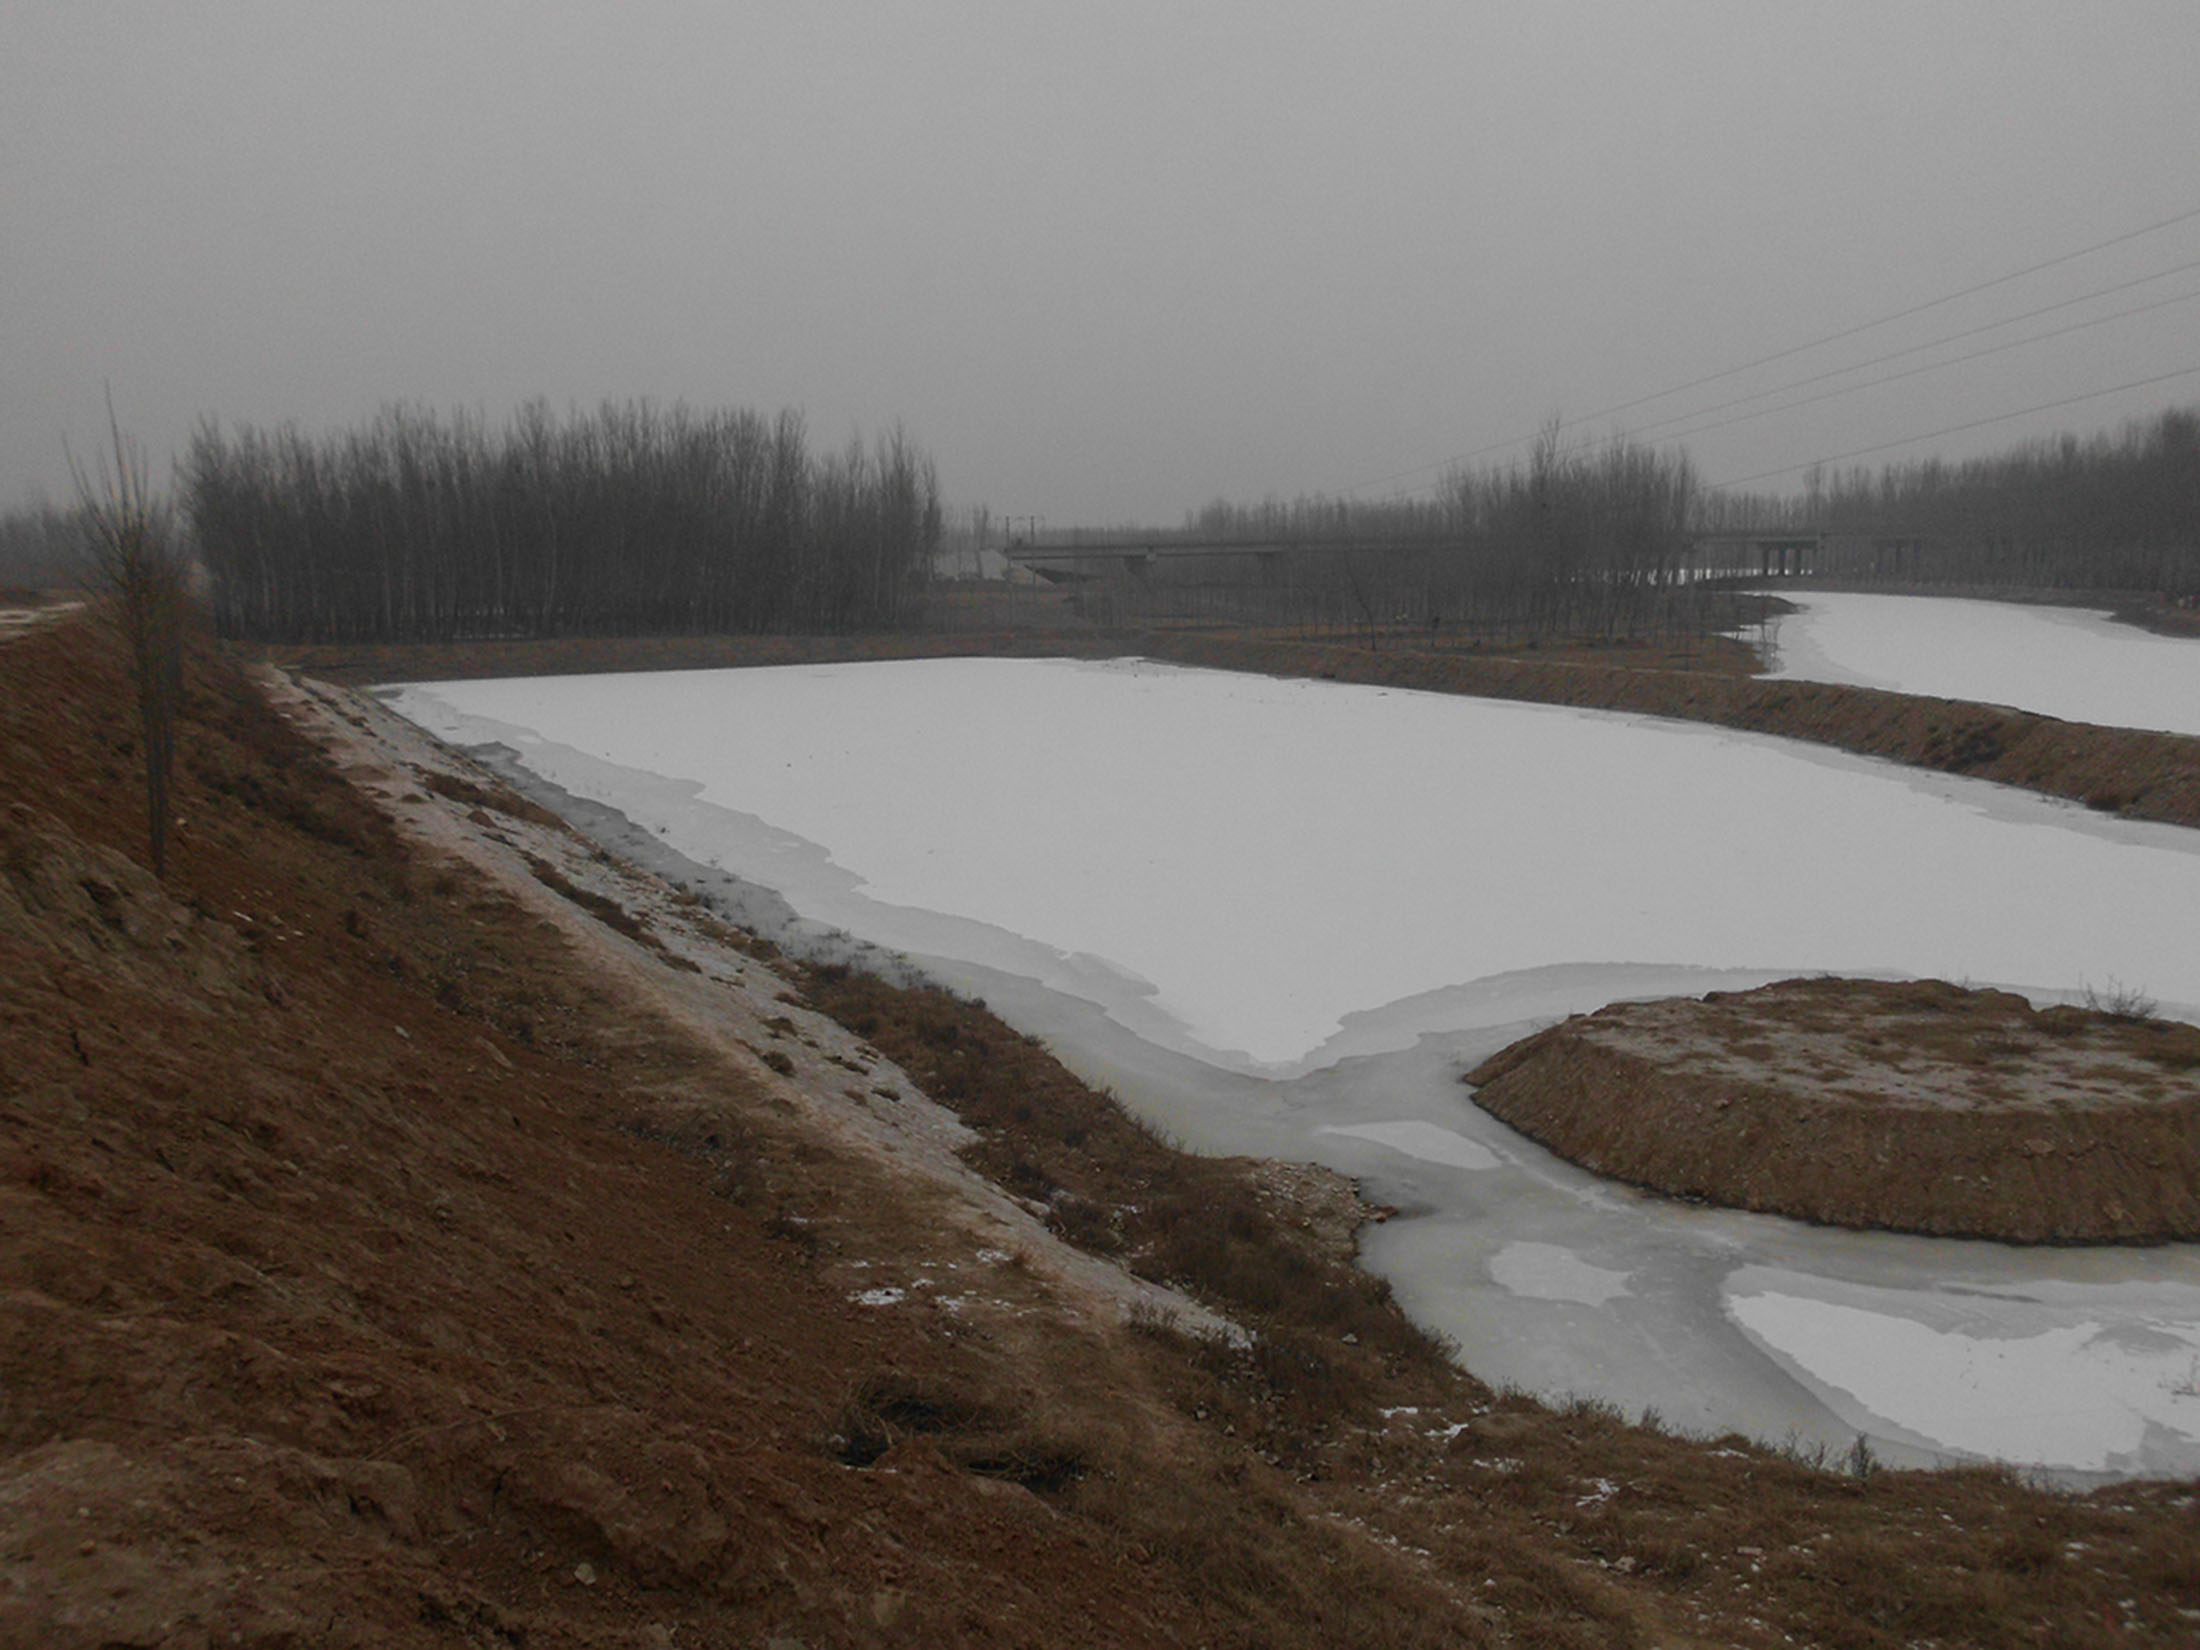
(1105, 263)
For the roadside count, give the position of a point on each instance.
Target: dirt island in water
(1913, 1106)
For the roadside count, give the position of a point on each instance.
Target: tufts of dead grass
(1111, 1185)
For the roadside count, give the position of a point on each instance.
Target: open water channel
(1282, 917)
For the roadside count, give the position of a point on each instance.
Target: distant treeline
(1585, 541)
(632, 519)
(2116, 512)
(1621, 540)
(41, 549)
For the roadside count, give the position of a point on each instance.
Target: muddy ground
(1913, 1106)
(418, 1228)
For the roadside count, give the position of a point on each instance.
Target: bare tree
(130, 541)
(634, 519)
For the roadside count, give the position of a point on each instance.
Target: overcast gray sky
(1105, 261)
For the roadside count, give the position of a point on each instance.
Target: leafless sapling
(137, 569)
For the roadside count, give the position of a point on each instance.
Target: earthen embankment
(2126, 771)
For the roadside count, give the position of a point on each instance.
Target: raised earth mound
(1913, 1106)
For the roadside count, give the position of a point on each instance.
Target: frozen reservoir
(1282, 916)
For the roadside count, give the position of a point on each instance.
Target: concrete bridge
(1137, 557)
(1763, 553)
(1775, 554)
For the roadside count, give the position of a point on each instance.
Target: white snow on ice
(2064, 1388)
(2059, 661)
(1262, 858)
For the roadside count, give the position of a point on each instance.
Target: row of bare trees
(1598, 540)
(41, 548)
(2118, 511)
(1580, 540)
(631, 519)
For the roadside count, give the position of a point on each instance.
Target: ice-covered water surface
(2060, 661)
(2050, 1372)
(1257, 859)
(1281, 917)
(2085, 1361)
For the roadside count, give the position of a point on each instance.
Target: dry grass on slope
(355, 1293)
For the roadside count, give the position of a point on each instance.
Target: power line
(1955, 429)
(1936, 343)
(1929, 366)
(1975, 424)
(1903, 314)
(1798, 349)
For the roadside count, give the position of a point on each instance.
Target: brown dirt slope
(384, 1261)
(367, 1276)
(1909, 1106)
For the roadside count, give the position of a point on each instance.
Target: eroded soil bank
(1912, 1106)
